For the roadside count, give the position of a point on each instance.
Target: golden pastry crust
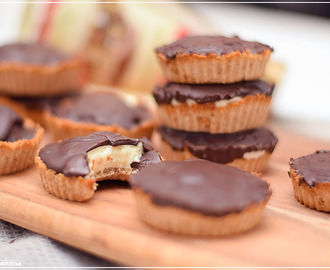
(76, 188)
(177, 220)
(229, 68)
(70, 188)
(314, 197)
(258, 164)
(248, 113)
(19, 155)
(41, 80)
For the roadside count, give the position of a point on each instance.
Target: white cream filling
(254, 154)
(106, 157)
(225, 102)
(218, 104)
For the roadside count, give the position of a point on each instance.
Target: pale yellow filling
(225, 102)
(218, 104)
(254, 154)
(106, 157)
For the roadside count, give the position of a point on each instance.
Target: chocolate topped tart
(248, 150)
(213, 59)
(31, 53)
(205, 45)
(206, 93)
(90, 112)
(81, 161)
(33, 69)
(214, 108)
(197, 196)
(310, 176)
(314, 168)
(19, 141)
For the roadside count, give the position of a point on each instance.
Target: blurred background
(118, 41)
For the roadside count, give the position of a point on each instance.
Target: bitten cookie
(28, 69)
(214, 108)
(19, 141)
(248, 150)
(70, 169)
(90, 112)
(310, 177)
(199, 197)
(213, 59)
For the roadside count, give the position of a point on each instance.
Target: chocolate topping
(221, 148)
(204, 93)
(70, 156)
(31, 54)
(11, 126)
(314, 168)
(102, 109)
(204, 45)
(43, 102)
(201, 186)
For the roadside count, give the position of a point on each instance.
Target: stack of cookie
(215, 104)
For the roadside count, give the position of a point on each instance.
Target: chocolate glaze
(201, 186)
(43, 103)
(314, 168)
(11, 126)
(221, 148)
(102, 109)
(30, 53)
(204, 45)
(70, 156)
(204, 93)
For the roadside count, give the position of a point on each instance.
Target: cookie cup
(182, 221)
(75, 188)
(228, 68)
(40, 80)
(19, 155)
(247, 113)
(258, 164)
(314, 197)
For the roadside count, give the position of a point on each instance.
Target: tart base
(76, 188)
(177, 220)
(315, 197)
(37, 80)
(19, 155)
(248, 113)
(200, 69)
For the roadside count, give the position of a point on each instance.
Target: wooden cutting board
(108, 226)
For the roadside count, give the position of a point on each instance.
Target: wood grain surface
(108, 226)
